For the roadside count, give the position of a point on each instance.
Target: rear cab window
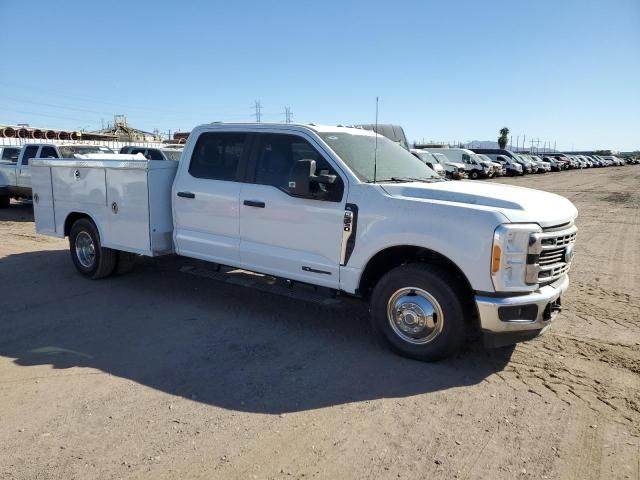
(218, 156)
(48, 152)
(29, 153)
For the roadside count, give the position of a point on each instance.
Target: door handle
(186, 195)
(254, 203)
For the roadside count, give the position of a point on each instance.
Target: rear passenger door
(287, 236)
(206, 197)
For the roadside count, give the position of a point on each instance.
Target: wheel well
(393, 257)
(72, 218)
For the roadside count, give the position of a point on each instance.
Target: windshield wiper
(407, 179)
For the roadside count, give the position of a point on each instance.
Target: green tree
(503, 138)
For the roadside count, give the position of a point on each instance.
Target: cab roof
(308, 126)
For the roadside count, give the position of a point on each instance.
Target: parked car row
(492, 162)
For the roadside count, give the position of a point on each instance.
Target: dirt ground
(169, 372)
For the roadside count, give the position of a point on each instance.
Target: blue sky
(559, 70)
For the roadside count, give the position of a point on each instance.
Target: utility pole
(511, 141)
(524, 139)
(288, 114)
(258, 114)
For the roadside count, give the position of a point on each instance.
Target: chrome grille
(547, 260)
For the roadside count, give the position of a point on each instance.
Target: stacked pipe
(37, 134)
(8, 132)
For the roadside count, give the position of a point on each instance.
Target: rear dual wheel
(89, 257)
(93, 260)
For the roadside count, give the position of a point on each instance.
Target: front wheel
(89, 257)
(474, 175)
(415, 310)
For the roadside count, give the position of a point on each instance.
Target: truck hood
(517, 204)
(456, 164)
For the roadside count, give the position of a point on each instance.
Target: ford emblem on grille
(568, 253)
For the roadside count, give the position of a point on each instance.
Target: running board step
(267, 284)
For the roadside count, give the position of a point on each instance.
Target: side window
(10, 154)
(29, 153)
(154, 154)
(137, 150)
(278, 153)
(466, 158)
(48, 152)
(217, 156)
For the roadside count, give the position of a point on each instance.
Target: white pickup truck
(341, 208)
(15, 177)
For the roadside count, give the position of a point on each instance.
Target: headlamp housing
(511, 243)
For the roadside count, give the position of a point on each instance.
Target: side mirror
(301, 175)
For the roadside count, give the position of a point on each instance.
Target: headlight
(509, 256)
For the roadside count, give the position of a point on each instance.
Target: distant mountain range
(484, 144)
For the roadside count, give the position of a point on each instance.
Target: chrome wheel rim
(85, 250)
(415, 315)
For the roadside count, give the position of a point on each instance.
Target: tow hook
(552, 309)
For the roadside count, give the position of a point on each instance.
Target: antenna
(375, 148)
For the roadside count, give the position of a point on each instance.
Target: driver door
(286, 236)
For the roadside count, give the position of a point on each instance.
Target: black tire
(474, 175)
(427, 279)
(126, 262)
(104, 259)
(5, 200)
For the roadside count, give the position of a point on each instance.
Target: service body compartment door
(42, 190)
(127, 227)
(77, 186)
(160, 211)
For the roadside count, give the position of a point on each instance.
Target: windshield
(68, 151)
(426, 157)
(394, 163)
(441, 157)
(172, 154)
(478, 158)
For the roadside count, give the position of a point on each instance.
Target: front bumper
(507, 320)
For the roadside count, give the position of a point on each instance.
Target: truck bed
(128, 200)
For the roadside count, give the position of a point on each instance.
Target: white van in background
(430, 160)
(454, 170)
(475, 166)
(499, 170)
